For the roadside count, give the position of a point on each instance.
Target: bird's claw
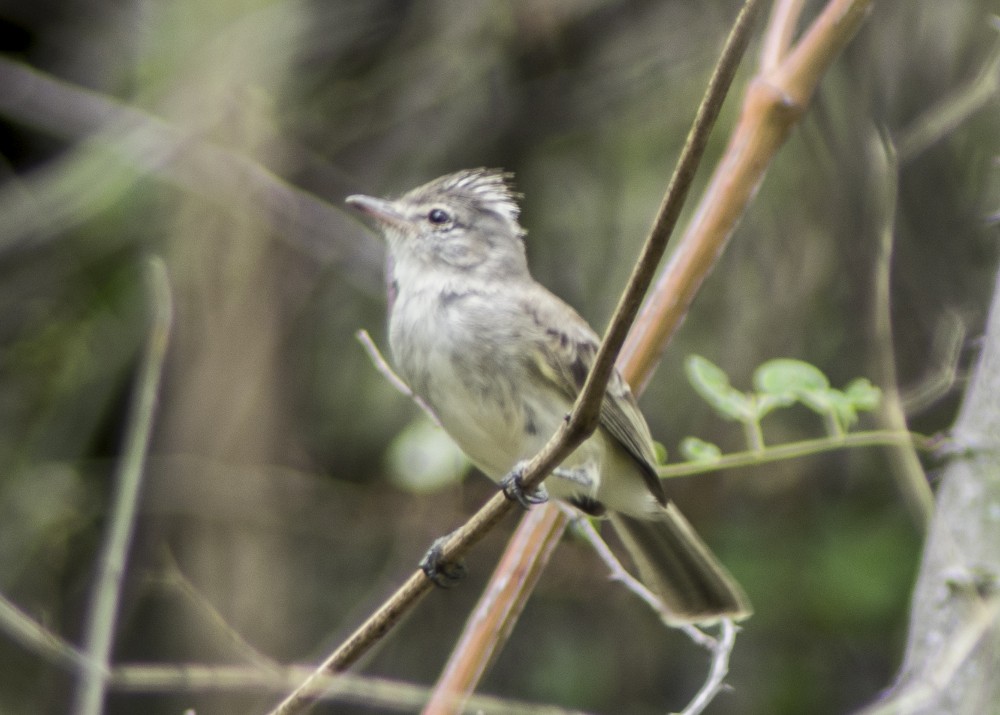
(513, 488)
(443, 574)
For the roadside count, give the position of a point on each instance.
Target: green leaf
(785, 375)
(698, 450)
(767, 402)
(863, 395)
(842, 408)
(660, 451)
(709, 381)
(820, 401)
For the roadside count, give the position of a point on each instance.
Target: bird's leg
(513, 488)
(444, 574)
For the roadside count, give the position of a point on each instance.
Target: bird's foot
(443, 574)
(513, 488)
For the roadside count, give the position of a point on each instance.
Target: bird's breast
(448, 351)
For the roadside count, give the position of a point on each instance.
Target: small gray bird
(500, 360)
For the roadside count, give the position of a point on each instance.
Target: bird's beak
(384, 212)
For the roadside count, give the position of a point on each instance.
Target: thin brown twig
(943, 369)
(677, 190)
(950, 111)
(907, 472)
(175, 578)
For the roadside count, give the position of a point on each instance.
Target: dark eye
(438, 216)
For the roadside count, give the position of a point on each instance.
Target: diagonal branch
(32, 635)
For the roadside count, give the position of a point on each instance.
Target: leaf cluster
(778, 383)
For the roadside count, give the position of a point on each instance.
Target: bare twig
(953, 109)
(717, 673)
(101, 617)
(175, 578)
(33, 635)
(673, 200)
(377, 694)
(907, 472)
(382, 365)
(943, 370)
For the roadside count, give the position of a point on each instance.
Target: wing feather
(568, 348)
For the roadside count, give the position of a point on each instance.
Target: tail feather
(679, 567)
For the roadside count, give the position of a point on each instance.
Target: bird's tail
(679, 567)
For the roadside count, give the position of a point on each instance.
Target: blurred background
(290, 487)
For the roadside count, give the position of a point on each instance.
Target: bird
(500, 360)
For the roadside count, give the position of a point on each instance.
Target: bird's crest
(482, 189)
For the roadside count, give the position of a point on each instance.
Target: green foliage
(778, 383)
(698, 450)
(661, 452)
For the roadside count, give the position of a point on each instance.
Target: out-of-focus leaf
(863, 395)
(698, 450)
(709, 380)
(423, 458)
(660, 451)
(767, 402)
(786, 375)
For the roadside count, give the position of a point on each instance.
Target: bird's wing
(568, 348)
